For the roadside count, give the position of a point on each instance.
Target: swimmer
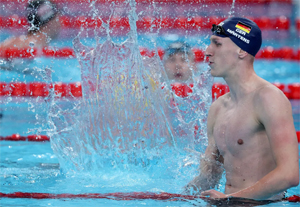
(251, 134)
(42, 16)
(179, 62)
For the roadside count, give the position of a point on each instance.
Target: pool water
(34, 167)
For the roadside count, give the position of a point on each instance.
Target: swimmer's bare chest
(242, 141)
(234, 127)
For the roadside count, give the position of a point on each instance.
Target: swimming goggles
(218, 30)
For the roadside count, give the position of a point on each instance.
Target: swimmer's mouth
(178, 75)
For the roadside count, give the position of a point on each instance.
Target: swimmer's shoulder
(268, 95)
(219, 103)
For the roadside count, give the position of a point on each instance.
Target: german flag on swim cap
(242, 31)
(243, 27)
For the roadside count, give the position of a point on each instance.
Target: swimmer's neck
(241, 82)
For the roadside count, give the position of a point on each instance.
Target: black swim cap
(177, 47)
(243, 32)
(40, 12)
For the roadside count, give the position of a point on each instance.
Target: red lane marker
(298, 24)
(145, 23)
(294, 90)
(182, 90)
(112, 196)
(38, 138)
(38, 89)
(294, 198)
(118, 196)
(15, 137)
(44, 138)
(74, 90)
(284, 53)
(30, 138)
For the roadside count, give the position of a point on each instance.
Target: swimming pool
(34, 167)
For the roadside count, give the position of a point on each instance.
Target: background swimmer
(43, 18)
(179, 62)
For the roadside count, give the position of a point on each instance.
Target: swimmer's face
(179, 67)
(222, 55)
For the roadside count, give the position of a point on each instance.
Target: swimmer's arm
(275, 113)
(210, 171)
(10, 42)
(211, 164)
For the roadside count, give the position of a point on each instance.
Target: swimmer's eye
(184, 60)
(172, 59)
(217, 43)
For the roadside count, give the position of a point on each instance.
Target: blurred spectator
(179, 62)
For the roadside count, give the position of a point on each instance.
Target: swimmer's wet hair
(39, 13)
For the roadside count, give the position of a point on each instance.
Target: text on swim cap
(240, 31)
(238, 36)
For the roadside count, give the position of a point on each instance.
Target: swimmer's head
(243, 32)
(39, 13)
(179, 62)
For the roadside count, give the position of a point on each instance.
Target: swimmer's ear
(242, 54)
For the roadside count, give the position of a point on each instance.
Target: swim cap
(40, 12)
(177, 47)
(243, 32)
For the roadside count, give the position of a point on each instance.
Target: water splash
(128, 117)
(231, 12)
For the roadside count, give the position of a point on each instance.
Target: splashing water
(128, 116)
(231, 12)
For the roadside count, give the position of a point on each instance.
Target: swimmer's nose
(178, 66)
(208, 51)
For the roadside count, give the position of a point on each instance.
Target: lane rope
(45, 138)
(138, 196)
(74, 90)
(269, 53)
(30, 138)
(148, 23)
